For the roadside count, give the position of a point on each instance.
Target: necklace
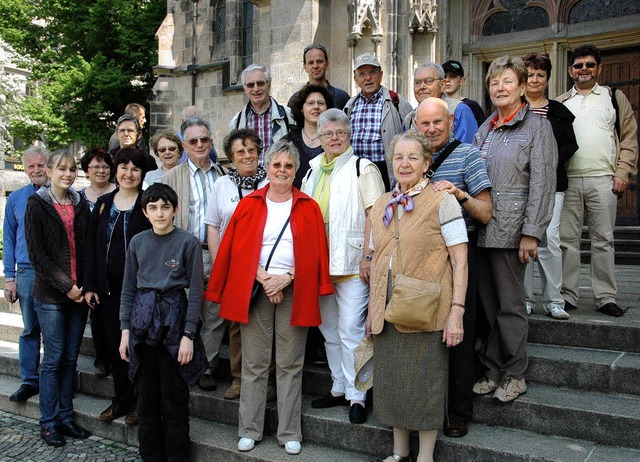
(64, 209)
(311, 142)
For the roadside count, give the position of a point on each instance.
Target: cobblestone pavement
(20, 442)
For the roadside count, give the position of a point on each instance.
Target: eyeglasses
(578, 66)
(338, 133)
(286, 166)
(428, 81)
(97, 168)
(364, 74)
(194, 141)
(171, 148)
(313, 102)
(259, 84)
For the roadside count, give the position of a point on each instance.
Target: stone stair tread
(610, 358)
(213, 441)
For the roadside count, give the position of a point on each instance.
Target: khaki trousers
(594, 195)
(265, 321)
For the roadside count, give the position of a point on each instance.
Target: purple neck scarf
(404, 199)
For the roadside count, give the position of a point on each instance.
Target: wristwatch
(368, 257)
(189, 335)
(290, 275)
(464, 199)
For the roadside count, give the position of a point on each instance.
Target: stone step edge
(481, 437)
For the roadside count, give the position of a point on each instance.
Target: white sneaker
(292, 447)
(529, 307)
(246, 444)
(556, 312)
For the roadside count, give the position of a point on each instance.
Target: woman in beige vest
(411, 368)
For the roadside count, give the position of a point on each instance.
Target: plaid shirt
(366, 127)
(261, 124)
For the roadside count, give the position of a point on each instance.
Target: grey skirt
(410, 379)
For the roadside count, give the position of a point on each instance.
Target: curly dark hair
(101, 154)
(538, 61)
(301, 97)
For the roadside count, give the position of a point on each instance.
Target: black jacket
(561, 120)
(96, 279)
(48, 245)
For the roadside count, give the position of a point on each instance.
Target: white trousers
(549, 263)
(343, 317)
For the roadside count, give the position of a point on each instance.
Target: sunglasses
(173, 148)
(194, 141)
(259, 84)
(589, 65)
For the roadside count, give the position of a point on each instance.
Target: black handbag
(256, 285)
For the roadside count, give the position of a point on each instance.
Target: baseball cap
(454, 67)
(366, 59)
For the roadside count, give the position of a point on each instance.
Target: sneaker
(246, 444)
(529, 306)
(292, 447)
(233, 392)
(484, 386)
(509, 389)
(556, 312)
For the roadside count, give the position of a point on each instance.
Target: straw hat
(364, 364)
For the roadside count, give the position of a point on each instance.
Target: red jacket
(232, 279)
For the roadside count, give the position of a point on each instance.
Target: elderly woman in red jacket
(277, 238)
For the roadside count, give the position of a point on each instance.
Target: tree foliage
(90, 59)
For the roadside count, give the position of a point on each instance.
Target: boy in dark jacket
(159, 326)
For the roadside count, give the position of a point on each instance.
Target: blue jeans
(29, 343)
(62, 330)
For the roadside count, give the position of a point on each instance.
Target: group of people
(326, 202)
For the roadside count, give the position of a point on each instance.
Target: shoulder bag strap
(273, 249)
(442, 157)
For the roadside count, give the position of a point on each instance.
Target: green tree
(91, 58)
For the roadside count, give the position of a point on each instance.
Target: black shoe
(329, 400)
(357, 414)
(24, 393)
(207, 383)
(102, 371)
(611, 309)
(568, 306)
(74, 431)
(456, 429)
(51, 436)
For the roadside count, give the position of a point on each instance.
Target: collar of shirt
(374, 98)
(193, 168)
(596, 90)
(439, 151)
(266, 112)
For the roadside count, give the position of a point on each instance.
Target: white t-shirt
(223, 200)
(282, 260)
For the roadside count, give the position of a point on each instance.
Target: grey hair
(255, 67)
(197, 121)
(333, 115)
(282, 146)
(34, 151)
(189, 111)
(431, 65)
(416, 136)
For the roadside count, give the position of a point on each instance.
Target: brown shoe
(111, 413)
(233, 392)
(207, 383)
(272, 394)
(101, 372)
(132, 418)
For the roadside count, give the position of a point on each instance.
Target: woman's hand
(185, 351)
(92, 299)
(453, 332)
(124, 345)
(528, 249)
(277, 298)
(75, 294)
(275, 283)
(365, 270)
(444, 185)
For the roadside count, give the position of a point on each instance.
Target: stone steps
(627, 245)
(329, 436)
